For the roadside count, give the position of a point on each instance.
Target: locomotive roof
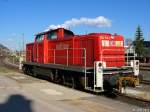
(51, 30)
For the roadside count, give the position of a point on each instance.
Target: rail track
(133, 100)
(145, 67)
(146, 82)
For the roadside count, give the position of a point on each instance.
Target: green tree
(139, 47)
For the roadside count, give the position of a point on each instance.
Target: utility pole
(23, 42)
(0, 54)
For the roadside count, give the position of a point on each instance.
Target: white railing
(28, 55)
(104, 54)
(55, 54)
(113, 54)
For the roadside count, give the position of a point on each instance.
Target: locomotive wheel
(34, 74)
(68, 80)
(27, 71)
(58, 79)
(51, 77)
(63, 79)
(24, 69)
(72, 82)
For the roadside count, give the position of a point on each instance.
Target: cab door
(88, 44)
(39, 49)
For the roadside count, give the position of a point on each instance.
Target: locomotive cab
(56, 34)
(59, 34)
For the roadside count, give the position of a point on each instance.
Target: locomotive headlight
(100, 64)
(137, 63)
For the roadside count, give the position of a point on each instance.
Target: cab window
(52, 35)
(39, 38)
(68, 34)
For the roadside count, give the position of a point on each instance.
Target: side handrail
(67, 54)
(126, 56)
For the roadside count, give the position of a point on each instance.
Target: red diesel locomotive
(94, 61)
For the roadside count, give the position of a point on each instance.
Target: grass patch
(4, 69)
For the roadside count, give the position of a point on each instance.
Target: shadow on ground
(16, 103)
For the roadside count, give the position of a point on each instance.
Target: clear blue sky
(32, 16)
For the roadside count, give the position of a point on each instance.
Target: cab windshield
(39, 38)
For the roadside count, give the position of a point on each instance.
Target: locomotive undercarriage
(113, 78)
